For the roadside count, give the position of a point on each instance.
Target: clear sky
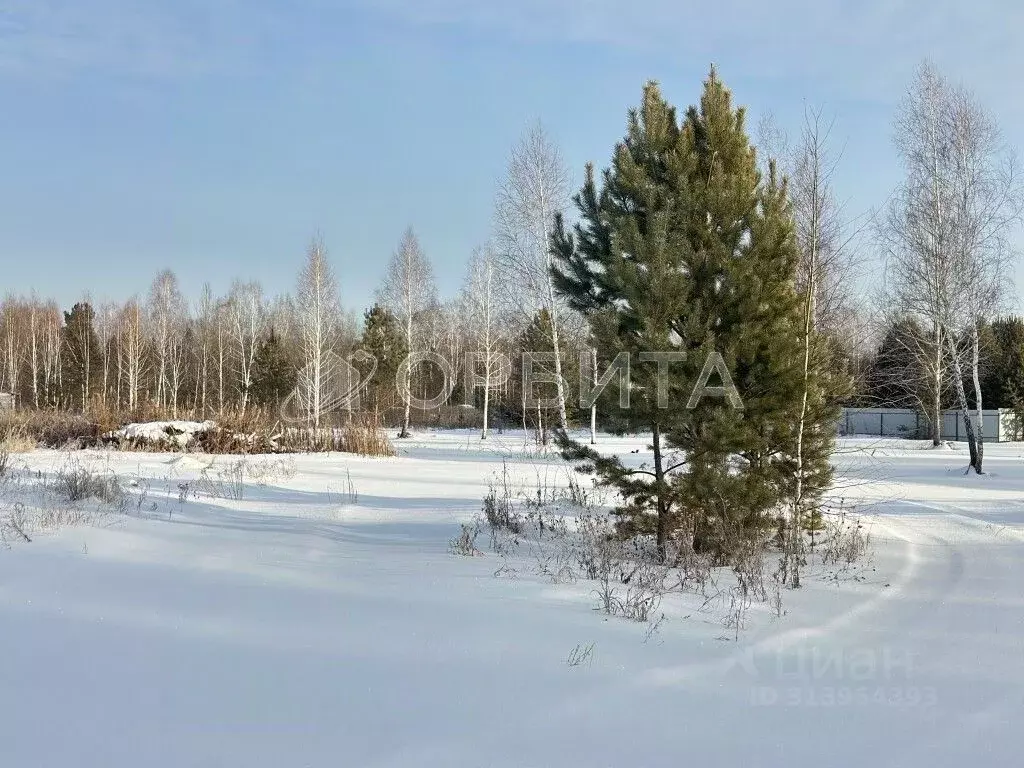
(215, 137)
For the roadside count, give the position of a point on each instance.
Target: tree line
(933, 333)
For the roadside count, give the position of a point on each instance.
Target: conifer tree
(274, 374)
(382, 337)
(547, 369)
(686, 255)
(80, 356)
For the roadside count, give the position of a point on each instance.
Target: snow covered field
(320, 620)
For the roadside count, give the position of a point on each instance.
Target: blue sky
(215, 137)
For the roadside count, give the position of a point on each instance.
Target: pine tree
(81, 355)
(536, 340)
(685, 251)
(382, 337)
(1003, 385)
(274, 374)
(624, 268)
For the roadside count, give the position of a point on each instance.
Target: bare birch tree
(106, 332)
(247, 320)
(824, 276)
(51, 353)
(222, 349)
(920, 275)
(318, 310)
(535, 188)
(204, 342)
(484, 327)
(131, 351)
(408, 292)
(12, 333)
(166, 305)
(945, 232)
(35, 323)
(986, 206)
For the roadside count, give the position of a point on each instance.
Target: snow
(178, 433)
(320, 620)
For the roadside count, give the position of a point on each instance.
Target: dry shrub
(363, 436)
(465, 543)
(845, 540)
(57, 429)
(251, 431)
(367, 439)
(15, 438)
(257, 432)
(14, 524)
(76, 481)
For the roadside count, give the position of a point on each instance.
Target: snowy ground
(320, 620)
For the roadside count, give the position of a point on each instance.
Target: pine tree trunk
(659, 494)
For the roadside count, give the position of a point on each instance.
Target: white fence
(998, 426)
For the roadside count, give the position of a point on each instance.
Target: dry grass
(15, 438)
(366, 439)
(252, 432)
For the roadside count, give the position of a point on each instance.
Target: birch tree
(222, 349)
(946, 231)
(204, 337)
(920, 274)
(131, 351)
(246, 319)
(822, 278)
(408, 292)
(12, 333)
(534, 191)
(318, 310)
(51, 353)
(484, 327)
(166, 305)
(35, 324)
(986, 206)
(106, 331)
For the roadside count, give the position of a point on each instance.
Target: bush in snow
(76, 481)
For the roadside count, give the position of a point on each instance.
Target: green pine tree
(685, 249)
(382, 337)
(274, 372)
(80, 356)
(1003, 382)
(536, 338)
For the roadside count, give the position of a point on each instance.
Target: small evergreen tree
(274, 372)
(536, 339)
(81, 355)
(1003, 384)
(382, 337)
